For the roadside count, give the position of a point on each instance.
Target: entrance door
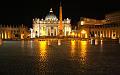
(83, 35)
(51, 34)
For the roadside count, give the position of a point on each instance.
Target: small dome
(51, 16)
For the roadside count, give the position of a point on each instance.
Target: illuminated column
(2, 35)
(53, 31)
(106, 33)
(56, 31)
(31, 33)
(46, 31)
(38, 34)
(50, 30)
(65, 31)
(112, 34)
(9, 34)
(97, 33)
(38, 30)
(103, 34)
(5, 35)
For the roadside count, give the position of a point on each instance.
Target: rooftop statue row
(12, 26)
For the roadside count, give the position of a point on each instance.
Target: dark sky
(22, 12)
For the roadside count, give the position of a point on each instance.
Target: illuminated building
(50, 26)
(88, 28)
(113, 17)
(13, 32)
(90, 21)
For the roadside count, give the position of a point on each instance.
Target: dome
(51, 16)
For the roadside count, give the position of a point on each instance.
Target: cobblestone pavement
(59, 57)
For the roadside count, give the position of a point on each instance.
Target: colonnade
(8, 32)
(106, 33)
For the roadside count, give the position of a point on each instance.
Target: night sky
(22, 12)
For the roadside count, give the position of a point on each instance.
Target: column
(112, 34)
(103, 33)
(65, 31)
(109, 33)
(2, 35)
(96, 33)
(50, 30)
(106, 34)
(53, 31)
(6, 34)
(46, 31)
(56, 31)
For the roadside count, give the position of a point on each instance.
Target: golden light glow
(83, 32)
(5, 35)
(83, 51)
(82, 22)
(59, 42)
(100, 35)
(2, 36)
(101, 48)
(95, 35)
(49, 42)
(78, 35)
(72, 47)
(22, 36)
(96, 41)
(43, 33)
(73, 34)
(43, 52)
(101, 42)
(8, 35)
(91, 41)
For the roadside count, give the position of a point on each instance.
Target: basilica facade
(50, 26)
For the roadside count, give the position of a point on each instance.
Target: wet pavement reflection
(59, 57)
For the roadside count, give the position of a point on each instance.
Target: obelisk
(60, 18)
